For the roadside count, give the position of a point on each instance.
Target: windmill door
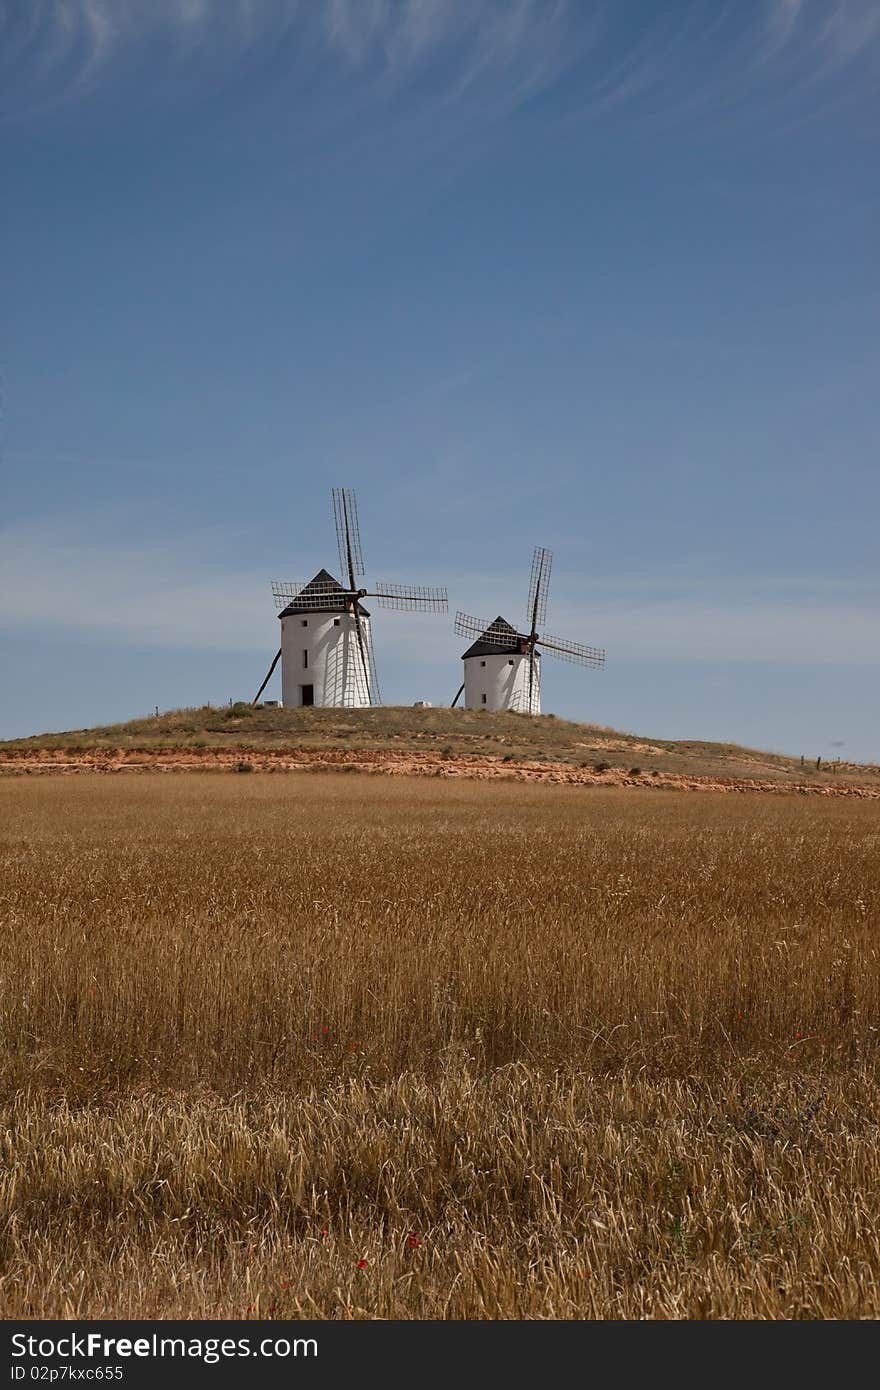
(308, 694)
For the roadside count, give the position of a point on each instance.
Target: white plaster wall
(504, 680)
(335, 669)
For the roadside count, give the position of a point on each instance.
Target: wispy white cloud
(810, 620)
(665, 61)
(63, 577)
(701, 64)
(60, 47)
(808, 43)
(781, 21)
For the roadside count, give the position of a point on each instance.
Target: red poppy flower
(413, 1241)
(362, 1264)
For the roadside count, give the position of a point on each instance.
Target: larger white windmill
(502, 668)
(326, 648)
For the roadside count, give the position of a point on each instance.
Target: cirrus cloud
(99, 578)
(670, 60)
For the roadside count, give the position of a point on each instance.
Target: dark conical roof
(483, 648)
(319, 596)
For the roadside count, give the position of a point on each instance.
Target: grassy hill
(451, 732)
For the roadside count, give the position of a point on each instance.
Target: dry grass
(526, 1051)
(501, 733)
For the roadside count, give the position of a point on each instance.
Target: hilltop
(408, 737)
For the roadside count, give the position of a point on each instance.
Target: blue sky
(601, 277)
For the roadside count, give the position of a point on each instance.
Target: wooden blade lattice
(539, 583)
(410, 598)
(348, 533)
(575, 652)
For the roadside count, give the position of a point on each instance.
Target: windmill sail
(539, 581)
(410, 598)
(497, 633)
(573, 651)
(348, 533)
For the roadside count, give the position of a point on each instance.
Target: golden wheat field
(354, 1047)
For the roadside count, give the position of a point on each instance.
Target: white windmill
(502, 668)
(326, 648)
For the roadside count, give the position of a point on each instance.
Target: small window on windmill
(482, 663)
(336, 622)
(305, 658)
(482, 699)
(510, 662)
(304, 622)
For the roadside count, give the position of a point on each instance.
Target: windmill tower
(502, 668)
(326, 649)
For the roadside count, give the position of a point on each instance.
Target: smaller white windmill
(502, 667)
